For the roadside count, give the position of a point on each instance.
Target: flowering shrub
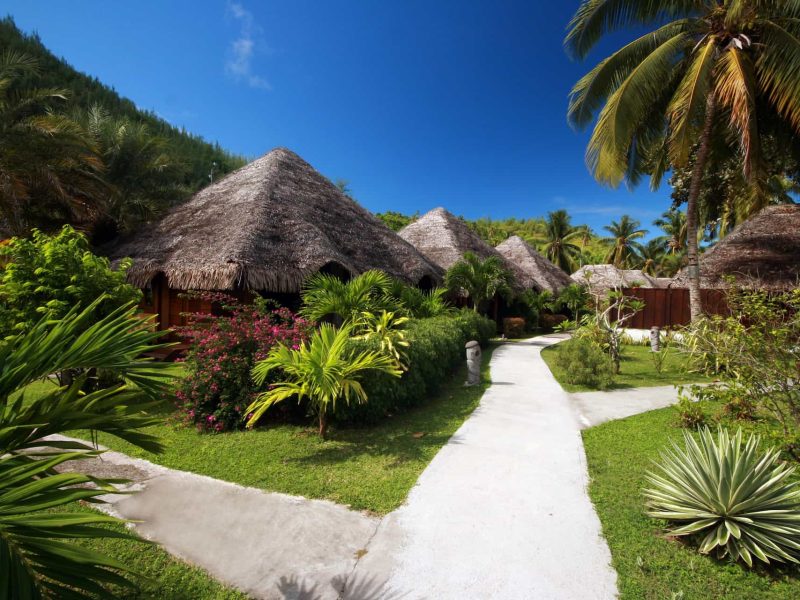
(222, 352)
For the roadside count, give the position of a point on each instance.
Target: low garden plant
(223, 349)
(755, 353)
(728, 496)
(322, 371)
(584, 363)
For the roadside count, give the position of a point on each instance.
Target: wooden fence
(670, 307)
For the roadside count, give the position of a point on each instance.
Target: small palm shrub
(436, 348)
(734, 500)
(584, 363)
(324, 370)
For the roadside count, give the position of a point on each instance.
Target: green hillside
(195, 153)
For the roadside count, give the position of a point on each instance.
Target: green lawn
(649, 565)
(367, 468)
(636, 369)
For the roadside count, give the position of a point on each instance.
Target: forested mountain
(84, 92)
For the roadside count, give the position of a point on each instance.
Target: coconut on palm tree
(560, 237)
(624, 234)
(703, 76)
(482, 280)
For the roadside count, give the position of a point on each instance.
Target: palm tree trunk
(323, 424)
(693, 254)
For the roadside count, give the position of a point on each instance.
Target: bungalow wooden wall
(670, 307)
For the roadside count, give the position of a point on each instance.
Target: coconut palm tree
(560, 236)
(323, 370)
(650, 256)
(49, 169)
(623, 241)
(37, 560)
(701, 77)
(673, 224)
(480, 279)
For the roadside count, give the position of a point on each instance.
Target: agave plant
(323, 370)
(36, 558)
(742, 502)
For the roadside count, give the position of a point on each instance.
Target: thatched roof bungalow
(763, 251)
(538, 273)
(443, 239)
(602, 278)
(267, 227)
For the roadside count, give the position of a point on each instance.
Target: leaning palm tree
(49, 169)
(623, 241)
(323, 370)
(326, 296)
(482, 280)
(650, 256)
(704, 76)
(673, 224)
(560, 236)
(37, 560)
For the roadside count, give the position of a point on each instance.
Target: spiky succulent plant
(736, 500)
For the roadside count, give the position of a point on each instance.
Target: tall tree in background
(143, 173)
(49, 169)
(699, 79)
(560, 237)
(650, 257)
(624, 234)
(673, 224)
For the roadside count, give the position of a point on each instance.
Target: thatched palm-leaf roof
(763, 251)
(443, 239)
(268, 226)
(601, 278)
(538, 273)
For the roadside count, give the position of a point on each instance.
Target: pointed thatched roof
(763, 251)
(268, 226)
(443, 239)
(538, 272)
(602, 278)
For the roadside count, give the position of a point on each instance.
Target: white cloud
(240, 58)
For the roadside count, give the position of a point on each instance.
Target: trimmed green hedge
(436, 349)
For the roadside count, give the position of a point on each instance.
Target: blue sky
(416, 103)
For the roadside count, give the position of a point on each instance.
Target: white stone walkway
(501, 512)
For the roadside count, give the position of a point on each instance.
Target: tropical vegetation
(733, 499)
(37, 560)
(709, 79)
(480, 279)
(322, 370)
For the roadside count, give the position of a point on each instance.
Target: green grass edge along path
(636, 369)
(650, 565)
(370, 468)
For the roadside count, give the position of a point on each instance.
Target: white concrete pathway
(594, 408)
(502, 510)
